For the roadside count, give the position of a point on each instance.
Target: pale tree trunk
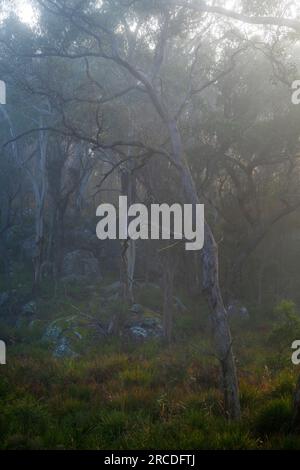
(127, 270)
(39, 183)
(210, 267)
(131, 254)
(221, 330)
(128, 257)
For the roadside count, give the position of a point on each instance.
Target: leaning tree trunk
(210, 267)
(210, 251)
(221, 330)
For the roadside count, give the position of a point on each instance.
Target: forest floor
(124, 394)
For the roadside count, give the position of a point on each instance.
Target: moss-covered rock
(70, 336)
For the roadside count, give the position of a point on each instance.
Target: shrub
(284, 385)
(275, 417)
(27, 417)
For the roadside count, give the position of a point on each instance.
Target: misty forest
(142, 343)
